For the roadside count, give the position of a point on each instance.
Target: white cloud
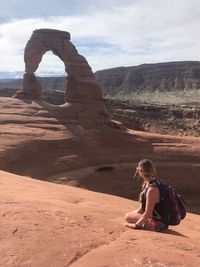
(23, 9)
(144, 31)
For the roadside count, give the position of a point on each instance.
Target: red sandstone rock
(44, 224)
(76, 65)
(81, 87)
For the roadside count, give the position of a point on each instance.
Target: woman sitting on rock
(147, 215)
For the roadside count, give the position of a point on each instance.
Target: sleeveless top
(158, 208)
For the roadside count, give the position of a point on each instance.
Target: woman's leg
(131, 218)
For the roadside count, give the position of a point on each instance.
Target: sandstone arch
(81, 84)
(83, 97)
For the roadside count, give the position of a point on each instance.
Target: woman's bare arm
(152, 197)
(140, 210)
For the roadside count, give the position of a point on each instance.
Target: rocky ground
(156, 118)
(44, 224)
(181, 120)
(71, 213)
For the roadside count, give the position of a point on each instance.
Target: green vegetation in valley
(188, 98)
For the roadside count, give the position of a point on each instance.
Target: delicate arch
(81, 83)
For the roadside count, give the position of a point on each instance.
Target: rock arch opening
(81, 82)
(52, 78)
(82, 95)
(51, 66)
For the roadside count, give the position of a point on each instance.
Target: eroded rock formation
(81, 86)
(81, 82)
(160, 77)
(164, 119)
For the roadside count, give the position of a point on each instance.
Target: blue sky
(108, 33)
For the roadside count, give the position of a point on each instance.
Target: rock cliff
(164, 119)
(170, 76)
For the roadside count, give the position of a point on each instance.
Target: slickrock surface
(49, 224)
(38, 140)
(43, 224)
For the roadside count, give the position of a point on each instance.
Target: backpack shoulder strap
(154, 183)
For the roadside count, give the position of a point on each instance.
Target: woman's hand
(131, 225)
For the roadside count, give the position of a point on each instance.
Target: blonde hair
(148, 169)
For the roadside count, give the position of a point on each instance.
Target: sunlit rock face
(81, 82)
(81, 85)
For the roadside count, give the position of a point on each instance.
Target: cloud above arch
(108, 33)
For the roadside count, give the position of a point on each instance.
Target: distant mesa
(155, 77)
(81, 85)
